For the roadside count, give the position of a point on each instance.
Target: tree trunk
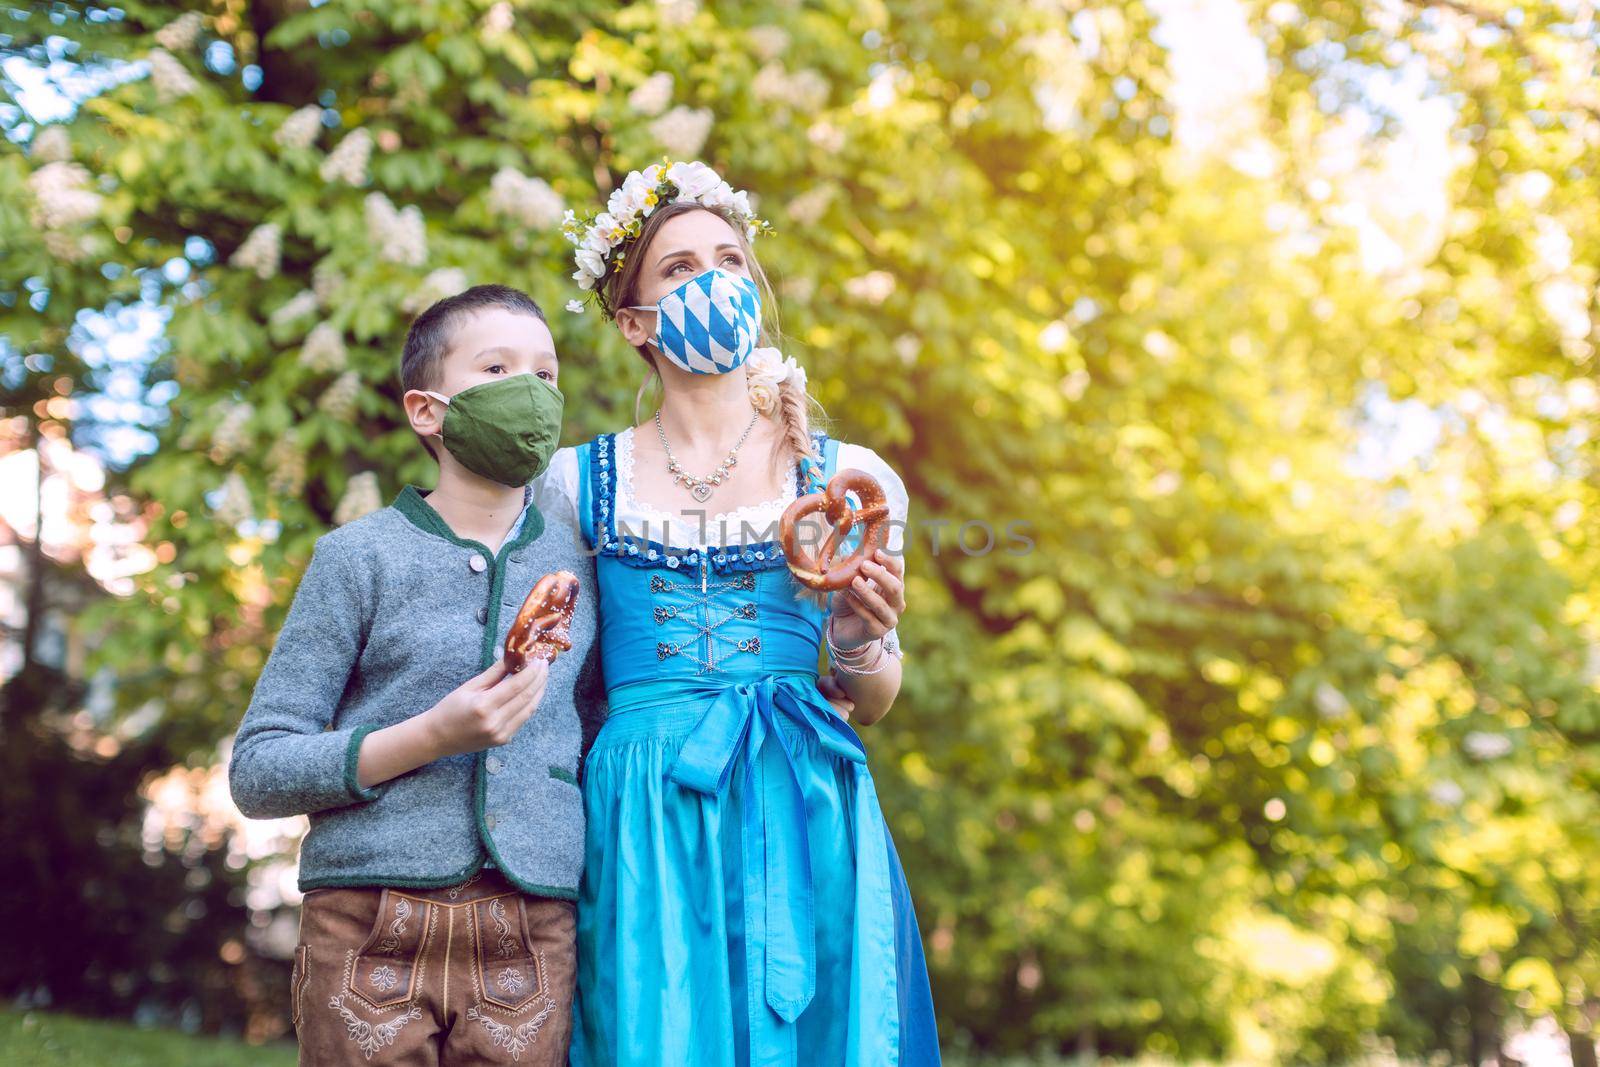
(285, 76)
(1583, 1053)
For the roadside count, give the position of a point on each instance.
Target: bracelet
(855, 661)
(857, 655)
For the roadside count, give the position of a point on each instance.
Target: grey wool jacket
(395, 611)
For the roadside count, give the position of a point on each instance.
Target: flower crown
(600, 237)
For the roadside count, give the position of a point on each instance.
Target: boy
(447, 828)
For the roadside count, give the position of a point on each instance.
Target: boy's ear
(426, 413)
(637, 326)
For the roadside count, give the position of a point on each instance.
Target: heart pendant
(701, 492)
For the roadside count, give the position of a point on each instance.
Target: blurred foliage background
(1273, 326)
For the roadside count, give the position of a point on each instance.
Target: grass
(43, 1039)
(46, 1039)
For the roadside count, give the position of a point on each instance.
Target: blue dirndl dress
(742, 902)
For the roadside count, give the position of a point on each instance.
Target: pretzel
(822, 571)
(543, 626)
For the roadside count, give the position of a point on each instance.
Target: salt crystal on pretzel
(543, 626)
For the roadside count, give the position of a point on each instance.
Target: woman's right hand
(488, 709)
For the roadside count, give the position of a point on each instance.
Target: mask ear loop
(439, 433)
(654, 338)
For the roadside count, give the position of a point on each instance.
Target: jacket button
(489, 821)
(483, 616)
(492, 764)
(477, 562)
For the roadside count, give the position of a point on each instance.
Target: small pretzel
(543, 626)
(822, 571)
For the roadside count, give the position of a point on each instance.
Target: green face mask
(504, 430)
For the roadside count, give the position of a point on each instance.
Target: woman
(742, 902)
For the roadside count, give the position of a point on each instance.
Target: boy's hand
(488, 709)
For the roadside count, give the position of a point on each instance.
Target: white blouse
(556, 492)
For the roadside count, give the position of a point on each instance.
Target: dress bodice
(715, 600)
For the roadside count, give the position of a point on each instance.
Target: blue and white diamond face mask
(710, 323)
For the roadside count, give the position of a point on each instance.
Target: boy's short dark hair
(430, 333)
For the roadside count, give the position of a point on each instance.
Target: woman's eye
(495, 367)
(674, 268)
(734, 258)
(548, 376)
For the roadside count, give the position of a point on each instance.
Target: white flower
(800, 287)
(683, 130)
(694, 180)
(575, 306)
(908, 346)
(609, 227)
(69, 248)
(718, 196)
(873, 287)
(1329, 701)
(261, 251)
(651, 96)
(296, 307)
(520, 198)
(51, 145)
(446, 281)
(348, 161)
(763, 397)
(339, 399)
(324, 351)
(326, 281)
(826, 136)
(300, 129)
(677, 12)
(61, 196)
(233, 505)
(804, 90)
(771, 84)
(810, 205)
(768, 42)
(630, 198)
(797, 374)
(232, 434)
(589, 262)
(808, 90)
(400, 236)
(635, 198)
(765, 366)
(1447, 793)
(499, 19)
(182, 32)
(286, 467)
(1486, 746)
(361, 497)
(171, 78)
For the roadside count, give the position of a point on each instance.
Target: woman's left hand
(872, 604)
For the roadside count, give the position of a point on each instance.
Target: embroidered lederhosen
(381, 973)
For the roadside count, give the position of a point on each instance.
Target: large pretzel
(823, 571)
(543, 627)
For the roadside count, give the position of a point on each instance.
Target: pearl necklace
(701, 488)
